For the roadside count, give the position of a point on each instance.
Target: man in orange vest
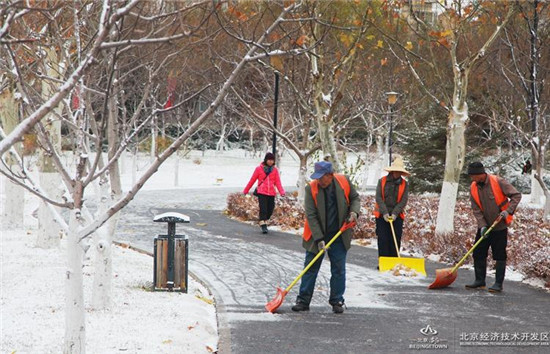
(490, 197)
(392, 195)
(330, 200)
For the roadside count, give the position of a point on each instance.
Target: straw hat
(398, 166)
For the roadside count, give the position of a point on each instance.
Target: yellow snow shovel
(389, 263)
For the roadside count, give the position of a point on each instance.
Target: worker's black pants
(498, 240)
(267, 204)
(386, 246)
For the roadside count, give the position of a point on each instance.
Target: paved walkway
(385, 314)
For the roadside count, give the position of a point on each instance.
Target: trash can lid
(172, 216)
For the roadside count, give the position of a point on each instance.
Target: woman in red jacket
(268, 178)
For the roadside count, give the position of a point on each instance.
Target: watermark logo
(505, 339)
(428, 331)
(430, 340)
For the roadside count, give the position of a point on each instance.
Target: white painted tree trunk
(301, 183)
(154, 134)
(49, 231)
(546, 214)
(454, 161)
(12, 213)
(220, 145)
(537, 193)
(328, 142)
(101, 295)
(50, 181)
(75, 325)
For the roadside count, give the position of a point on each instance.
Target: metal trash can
(171, 255)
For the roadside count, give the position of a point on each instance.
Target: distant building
(425, 10)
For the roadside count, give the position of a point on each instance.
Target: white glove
(321, 245)
(386, 217)
(352, 217)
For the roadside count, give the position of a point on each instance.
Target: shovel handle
(394, 238)
(344, 227)
(483, 237)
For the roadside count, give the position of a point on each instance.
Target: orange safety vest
(501, 199)
(344, 184)
(400, 193)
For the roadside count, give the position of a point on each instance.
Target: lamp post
(275, 102)
(392, 98)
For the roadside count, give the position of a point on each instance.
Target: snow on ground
(209, 169)
(140, 321)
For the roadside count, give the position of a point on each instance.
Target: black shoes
(264, 228)
(477, 284)
(300, 306)
(338, 307)
(496, 288)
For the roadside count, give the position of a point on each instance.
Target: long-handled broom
(274, 304)
(445, 277)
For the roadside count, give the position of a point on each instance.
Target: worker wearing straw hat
(392, 194)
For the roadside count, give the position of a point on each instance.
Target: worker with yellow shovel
(331, 203)
(392, 194)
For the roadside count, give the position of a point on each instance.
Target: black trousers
(497, 240)
(267, 204)
(386, 246)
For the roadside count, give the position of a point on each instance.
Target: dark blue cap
(321, 169)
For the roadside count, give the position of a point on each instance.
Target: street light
(275, 102)
(392, 98)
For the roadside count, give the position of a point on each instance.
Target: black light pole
(275, 101)
(392, 98)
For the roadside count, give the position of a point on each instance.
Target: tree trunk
(328, 145)
(154, 134)
(302, 178)
(50, 181)
(536, 190)
(12, 213)
(454, 161)
(49, 231)
(546, 214)
(220, 146)
(102, 293)
(75, 325)
(103, 269)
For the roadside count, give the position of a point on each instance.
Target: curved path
(385, 314)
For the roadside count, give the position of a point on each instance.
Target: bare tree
(453, 32)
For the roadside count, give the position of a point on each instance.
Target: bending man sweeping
(330, 200)
(491, 196)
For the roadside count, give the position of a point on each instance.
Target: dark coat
(391, 190)
(316, 216)
(490, 208)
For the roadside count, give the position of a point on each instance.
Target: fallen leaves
(403, 271)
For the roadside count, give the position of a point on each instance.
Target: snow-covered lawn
(140, 321)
